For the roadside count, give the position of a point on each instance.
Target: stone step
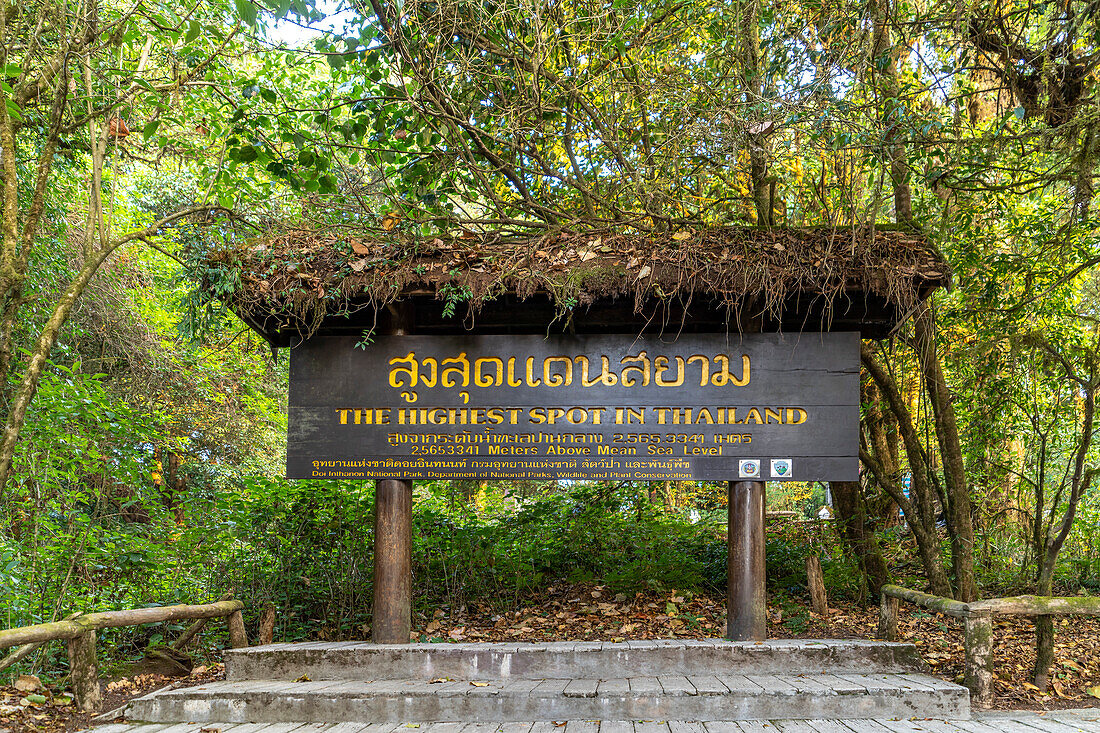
(664, 697)
(594, 660)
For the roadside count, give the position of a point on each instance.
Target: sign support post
(746, 601)
(391, 620)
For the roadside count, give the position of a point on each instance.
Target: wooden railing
(78, 631)
(977, 618)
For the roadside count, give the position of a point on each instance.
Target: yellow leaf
(1093, 691)
(304, 678)
(479, 683)
(681, 236)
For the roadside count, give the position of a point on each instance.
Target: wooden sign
(774, 407)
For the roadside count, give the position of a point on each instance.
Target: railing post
(83, 673)
(238, 637)
(888, 618)
(978, 673)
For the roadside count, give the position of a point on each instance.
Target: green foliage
(587, 532)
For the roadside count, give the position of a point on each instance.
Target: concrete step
(664, 697)
(1010, 721)
(592, 660)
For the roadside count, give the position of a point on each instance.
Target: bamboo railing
(977, 618)
(79, 633)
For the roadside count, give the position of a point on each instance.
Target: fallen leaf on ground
(27, 683)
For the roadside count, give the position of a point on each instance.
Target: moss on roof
(310, 274)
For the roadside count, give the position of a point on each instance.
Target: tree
(77, 78)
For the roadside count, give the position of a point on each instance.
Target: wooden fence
(78, 631)
(977, 618)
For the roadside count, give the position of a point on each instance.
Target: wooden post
(815, 581)
(266, 633)
(888, 618)
(83, 673)
(746, 601)
(194, 629)
(392, 616)
(978, 672)
(238, 637)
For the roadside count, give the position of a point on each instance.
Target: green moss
(599, 278)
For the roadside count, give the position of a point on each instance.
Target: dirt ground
(593, 613)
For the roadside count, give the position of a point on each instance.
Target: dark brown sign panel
(773, 407)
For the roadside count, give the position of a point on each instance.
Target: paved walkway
(1061, 721)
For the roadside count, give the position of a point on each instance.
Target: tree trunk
(920, 512)
(759, 129)
(852, 522)
(960, 524)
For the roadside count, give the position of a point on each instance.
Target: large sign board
(604, 407)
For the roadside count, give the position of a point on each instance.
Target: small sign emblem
(749, 468)
(781, 467)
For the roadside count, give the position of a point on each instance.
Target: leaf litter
(588, 612)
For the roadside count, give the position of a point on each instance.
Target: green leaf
(150, 129)
(248, 154)
(247, 10)
(193, 31)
